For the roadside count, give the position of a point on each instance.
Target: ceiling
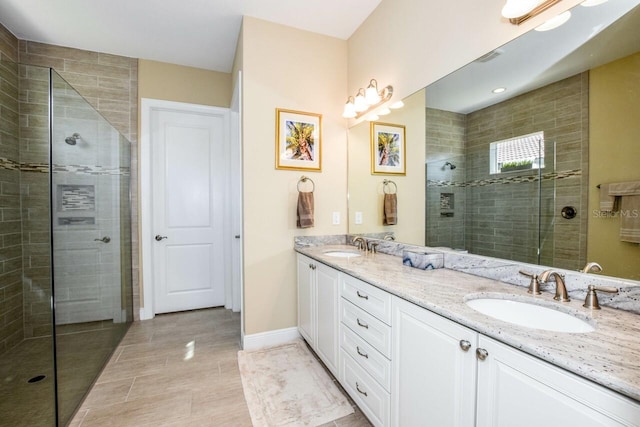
(196, 33)
(537, 59)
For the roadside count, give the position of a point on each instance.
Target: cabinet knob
(360, 391)
(481, 353)
(465, 345)
(362, 296)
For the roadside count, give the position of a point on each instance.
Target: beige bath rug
(287, 386)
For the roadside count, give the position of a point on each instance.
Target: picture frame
(388, 149)
(298, 140)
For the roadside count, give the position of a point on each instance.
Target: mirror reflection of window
(517, 154)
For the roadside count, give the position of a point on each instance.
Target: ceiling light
(383, 111)
(499, 90)
(518, 8)
(396, 105)
(372, 117)
(555, 22)
(589, 3)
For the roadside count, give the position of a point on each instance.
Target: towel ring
(304, 179)
(386, 183)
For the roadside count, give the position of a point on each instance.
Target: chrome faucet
(561, 289)
(592, 267)
(360, 243)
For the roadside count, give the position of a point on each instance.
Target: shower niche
(75, 205)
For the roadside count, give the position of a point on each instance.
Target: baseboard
(270, 338)
(146, 314)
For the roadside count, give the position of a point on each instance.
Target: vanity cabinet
(515, 388)
(318, 316)
(445, 374)
(433, 370)
(365, 343)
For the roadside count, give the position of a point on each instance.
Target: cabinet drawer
(372, 399)
(372, 330)
(371, 299)
(373, 362)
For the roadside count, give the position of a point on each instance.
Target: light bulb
(360, 104)
(554, 22)
(371, 95)
(398, 104)
(589, 3)
(372, 117)
(349, 109)
(384, 111)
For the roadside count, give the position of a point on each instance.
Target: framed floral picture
(388, 156)
(298, 140)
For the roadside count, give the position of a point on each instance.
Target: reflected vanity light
(366, 101)
(396, 105)
(499, 90)
(589, 3)
(518, 11)
(554, 22)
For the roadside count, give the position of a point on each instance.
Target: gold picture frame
(388, 149)
(298, 140)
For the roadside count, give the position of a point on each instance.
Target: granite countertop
(609, 355)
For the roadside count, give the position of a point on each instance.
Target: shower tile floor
(178, 369)
(82, 350)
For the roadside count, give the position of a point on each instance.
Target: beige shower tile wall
(110, 84)
(561, 110)
(11, 311)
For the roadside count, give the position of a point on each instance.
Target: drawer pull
(364, 325)
(360, 391)
(362, 296)
(365, 355)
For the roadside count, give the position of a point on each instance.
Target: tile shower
(511, 215)
(65, 236)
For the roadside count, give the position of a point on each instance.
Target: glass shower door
(89, 199)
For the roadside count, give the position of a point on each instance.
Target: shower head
(73, 139)
(451, 165)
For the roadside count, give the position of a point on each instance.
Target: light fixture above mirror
(366, 101)
(518, 11)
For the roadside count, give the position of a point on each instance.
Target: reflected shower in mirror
(505, 197)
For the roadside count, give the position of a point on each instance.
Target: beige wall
(170, 82)
(293, 69)
(412, 43)
(614, 151)
(366, 190)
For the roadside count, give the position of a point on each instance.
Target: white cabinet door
(327, 316)
(516, 389)
(306, 298)
(433, 378)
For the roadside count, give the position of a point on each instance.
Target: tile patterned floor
(176, 370)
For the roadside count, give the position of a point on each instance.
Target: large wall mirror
(515, 174)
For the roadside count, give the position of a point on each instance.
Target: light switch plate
(336, 218)
(358, 217)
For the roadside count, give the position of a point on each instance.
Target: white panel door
(187, 180)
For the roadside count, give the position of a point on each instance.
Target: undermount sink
(530, 315)
(342, 254)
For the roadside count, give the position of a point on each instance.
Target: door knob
(105, 239)
(159, 237)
